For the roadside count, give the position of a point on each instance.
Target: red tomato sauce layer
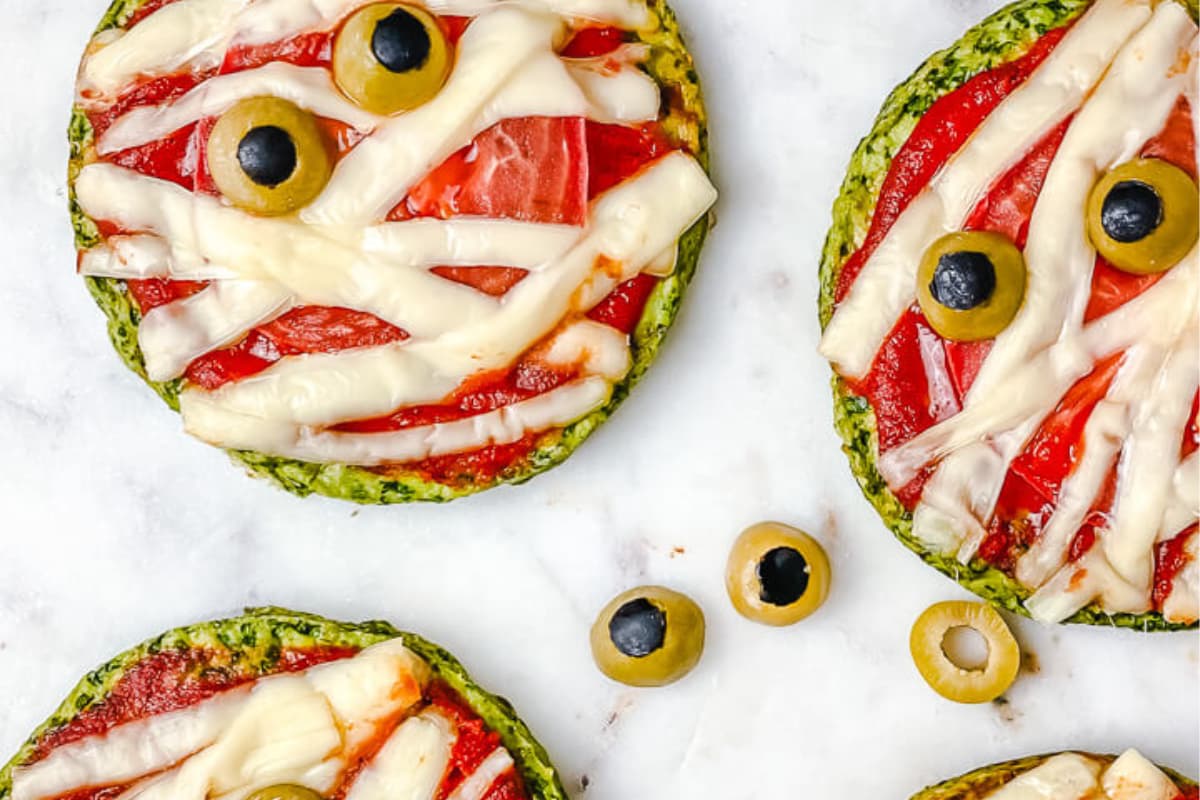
(906, 384)
(174, 679)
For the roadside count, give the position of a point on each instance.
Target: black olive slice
(963, 280)
(638, 628)
(267, 155)
(783, 573)
(1131, 211)
(400, 42)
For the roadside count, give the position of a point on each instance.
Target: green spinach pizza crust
(900, 387)
(510, 417)
(226, 666)
(982, 783)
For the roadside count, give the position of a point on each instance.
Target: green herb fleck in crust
(685, 122)
(1002, 37)
(979, 784)
(253, 643)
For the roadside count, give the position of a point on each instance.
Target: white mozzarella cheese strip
(143, 256)
(1067, 776)
(284, 728)
(886, 285)
(1183, 603)
(376, 174)
(1129, 106)
(476, 786)
(180, 33)
(1183, 506)
(1133, 777)
(172, 336)
(316, 268)
(282, 733)
(1158, 316)
(1077, 584)
(1147, 467)
(629, 226)
(128, 751)
(597, 348)
(555, 409)
(465, 241)
(273, 20)
(310, 88)
(1104, 436)
(616, 89)
(411, 764)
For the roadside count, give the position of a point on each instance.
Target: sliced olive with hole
(971, 284)
(268, 156)
(391, 57)
(776, 574)
(961, 681)
(285, 791)
(1144, 216)
(648, 636)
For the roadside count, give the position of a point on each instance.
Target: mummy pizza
(389, 251)
(1067, 776)
(1009, 301)
(282, 706)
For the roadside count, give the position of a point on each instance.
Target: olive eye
(391, 57)
(971, 284)
(268, 156)
(285, 791)
(1142, 217)
(776, 574)
(648, 636)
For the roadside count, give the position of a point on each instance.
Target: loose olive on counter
(648, 636)
(268, 156)
(928, 642)
(971, 284)
(1144, 216)
(391, 57)
(776, 574)
(285, 791)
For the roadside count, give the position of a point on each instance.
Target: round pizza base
(978, 784)
(672, 66)
(255, 640)
(1002, 37)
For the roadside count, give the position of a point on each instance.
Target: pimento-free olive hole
(966, 648)
(783, 576)
(638, 628)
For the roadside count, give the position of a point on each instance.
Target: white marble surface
(115, 526)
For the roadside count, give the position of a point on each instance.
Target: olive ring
(927, 643)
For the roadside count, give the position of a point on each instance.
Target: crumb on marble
(678, 551)
(1029, 662)
(1004, 710)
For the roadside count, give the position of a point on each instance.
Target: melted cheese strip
(555, 409)
(476, 786)
(187, 31)
(412, 762)
(1148, 464)
(629, 226)
(886, 285)
(284, 728)
(1133, 777)
(464, 241)
(1183, 603)
(310, 88)
(143, 256)
(1067, 776)
(618, 94)
(1183, 506)
(1090, 578)
(379, 172)
(172, 336)
(317, 269)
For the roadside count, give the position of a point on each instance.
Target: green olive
(648, 636)
(285, 791)
(268, 156)
(776, 575)
(927, 642)
(971, 284)
(1144, 216)
(391, 57)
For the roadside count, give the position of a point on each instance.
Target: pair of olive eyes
(1141, 218)
(269, 156)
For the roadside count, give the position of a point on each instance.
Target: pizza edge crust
(1002, 37)
(672, 66)
(977, 784)
(255, 639)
